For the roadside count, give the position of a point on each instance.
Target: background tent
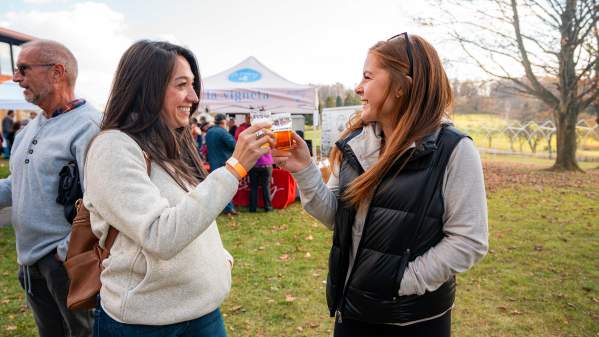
(11, 98)
(252, 85)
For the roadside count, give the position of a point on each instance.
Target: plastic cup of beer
(260, 116)
(281, 127)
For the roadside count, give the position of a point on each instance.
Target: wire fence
(532, 138)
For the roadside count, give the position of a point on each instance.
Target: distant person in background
(196, 133)
(246, 124)
(16, 126)
(232, 126)
(260, 175)
(7, 123)
(220, 145)
(204, 126)
(32, 116)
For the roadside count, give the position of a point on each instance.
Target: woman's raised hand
(250, 144)
(295, 159)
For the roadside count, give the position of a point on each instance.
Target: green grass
(4, 171)
(540, 278)
(311, 134)
(516, 159)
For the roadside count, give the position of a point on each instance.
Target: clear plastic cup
(260, 116)
(282, 129)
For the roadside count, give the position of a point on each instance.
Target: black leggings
(438, 327)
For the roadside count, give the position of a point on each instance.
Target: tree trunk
(566, 142)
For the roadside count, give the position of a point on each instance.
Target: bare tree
(547, 49)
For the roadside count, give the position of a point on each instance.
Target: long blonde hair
(426, 98)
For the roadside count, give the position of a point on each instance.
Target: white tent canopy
(11, 98)
(252, 85)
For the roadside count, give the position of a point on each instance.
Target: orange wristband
(236, 165)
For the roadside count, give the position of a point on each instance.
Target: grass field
(540, 278)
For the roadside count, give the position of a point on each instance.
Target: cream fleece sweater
(168, 263)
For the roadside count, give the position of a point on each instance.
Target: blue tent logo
(245, 75)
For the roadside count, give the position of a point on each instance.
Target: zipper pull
(338, 316)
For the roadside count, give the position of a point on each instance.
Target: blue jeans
(209, 325)
(229, 207)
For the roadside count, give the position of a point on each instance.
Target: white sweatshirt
(167, 264)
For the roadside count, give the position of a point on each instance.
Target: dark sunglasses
(408, 50)
(23, 67)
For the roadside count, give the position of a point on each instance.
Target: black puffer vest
(371, 292)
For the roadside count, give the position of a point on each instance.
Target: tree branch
(547, 95)
(585, 103)
(557, 7)
(555, 19)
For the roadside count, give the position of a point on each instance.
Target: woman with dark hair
(168, 272)
(406, 199)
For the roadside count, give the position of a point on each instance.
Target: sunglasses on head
(23, 67)
(408, 50)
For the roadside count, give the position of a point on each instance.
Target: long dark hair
(427, 97)
(135, 108)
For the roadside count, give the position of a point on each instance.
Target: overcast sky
(307, 41)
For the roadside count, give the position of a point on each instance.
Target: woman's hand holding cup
(250, 144)
(295, 159)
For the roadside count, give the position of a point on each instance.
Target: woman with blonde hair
(168, 272)
(406, 199)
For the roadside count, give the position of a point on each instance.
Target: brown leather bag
(85, 256)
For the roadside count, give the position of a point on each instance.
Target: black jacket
(388, 243)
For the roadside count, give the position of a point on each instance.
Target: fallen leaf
(307, 254)
(290, 298)
(236, 308)
(284, 257)
(309, 237)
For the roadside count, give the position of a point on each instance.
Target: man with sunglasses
(47, 72)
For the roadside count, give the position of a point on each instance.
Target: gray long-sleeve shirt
(464, 220)
(40, 151)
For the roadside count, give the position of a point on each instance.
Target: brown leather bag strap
(110, 238)
(113, 232)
